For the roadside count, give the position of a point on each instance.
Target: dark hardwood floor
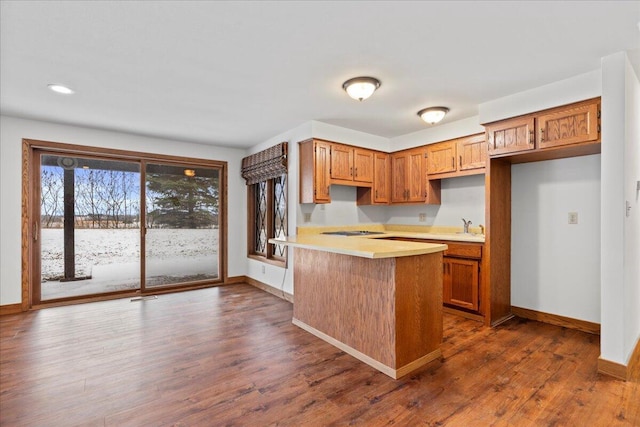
(230, 356)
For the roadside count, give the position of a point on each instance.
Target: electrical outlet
(573, 217)
(422, 217)
(307, 217)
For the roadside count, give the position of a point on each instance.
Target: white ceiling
(238, 73)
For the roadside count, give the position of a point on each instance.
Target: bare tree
(51, 185)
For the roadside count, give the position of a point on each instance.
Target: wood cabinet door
(322, 164)
(573, 125)
(510, 136)
(381, 178)
(416, 176)
(441, 157)
(399, 177)
(341, 162)
(362, 165)
(461, 283)
(472, 153)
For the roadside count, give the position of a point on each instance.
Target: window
(268, 213)
(266, 176)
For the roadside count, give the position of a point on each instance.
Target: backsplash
(462, 197)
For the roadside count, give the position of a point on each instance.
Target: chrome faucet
(466, 225)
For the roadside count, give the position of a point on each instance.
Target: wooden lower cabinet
(461, 283)
(461, 279)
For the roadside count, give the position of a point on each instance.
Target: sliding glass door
(182, 224)
(89, 226)
(103, 224)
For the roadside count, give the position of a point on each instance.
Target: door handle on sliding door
(35, 231)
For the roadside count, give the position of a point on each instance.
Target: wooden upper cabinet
(511, 136)
(573, 125)
(472, 153)
(351, 164)
(399, 177)
(457, 157)
(341, 162)
(565, 131)
(363, 164)
(416, 176)
(380, 192)
(409, 178)
(314, 171)
(322, 167)
(381, 178)
(441, 157)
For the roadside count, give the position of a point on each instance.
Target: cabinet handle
(541, 134)
(461, 162)
(376, 194)
(531, 136)
(356, 172)
(453, 162)
(351, 171)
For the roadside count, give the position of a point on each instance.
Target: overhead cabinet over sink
(457, 157)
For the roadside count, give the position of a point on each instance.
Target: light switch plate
(573, 217)
(307, 217)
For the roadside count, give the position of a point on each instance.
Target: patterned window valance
(267, 164)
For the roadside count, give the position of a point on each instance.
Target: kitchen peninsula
(378, 300)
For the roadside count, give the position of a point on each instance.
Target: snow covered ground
(112, 258)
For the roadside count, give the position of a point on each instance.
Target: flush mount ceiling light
(433, 115)
(60, 89)
(361, 88)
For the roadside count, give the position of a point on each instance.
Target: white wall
(620, 234)
(349, 136)
(577, 88)
(461, 197)
(632, 220)
(13, 130)
(555, 265)
(464, 127)
(278, 277)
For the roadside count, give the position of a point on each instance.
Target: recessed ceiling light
(60, 89)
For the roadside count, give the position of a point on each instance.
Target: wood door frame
(30, 202)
